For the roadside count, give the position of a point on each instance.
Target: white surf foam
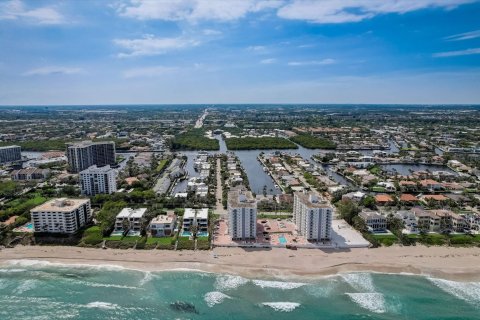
(468, 291)
(362, 282)
(102, 305)
(146, 278)
(372, 301)
(12, 270)
(278, 284)
(282, 306)
(215, 297)
(228, 282)
(43, 263)
(26, 286)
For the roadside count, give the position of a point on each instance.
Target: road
(219, 209)
(200, 120)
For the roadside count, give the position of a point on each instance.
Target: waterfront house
(375, 221)
(162, 225)
(409, 219)
(383, 199)
(407, 198)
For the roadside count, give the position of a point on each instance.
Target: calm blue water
(43, 291)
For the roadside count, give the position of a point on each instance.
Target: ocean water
(40, 290)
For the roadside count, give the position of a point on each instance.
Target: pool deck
(269, 232)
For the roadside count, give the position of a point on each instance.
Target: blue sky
(239, 51)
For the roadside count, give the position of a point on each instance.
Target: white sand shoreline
(459, 264)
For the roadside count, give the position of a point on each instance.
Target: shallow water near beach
(41, 290)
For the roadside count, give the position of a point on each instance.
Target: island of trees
(250, 143)
(311, 142)
(194, 140)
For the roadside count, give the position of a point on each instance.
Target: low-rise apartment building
(131, 220)
(30, 174)
(197, 218)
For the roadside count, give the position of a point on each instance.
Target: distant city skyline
(239, 51)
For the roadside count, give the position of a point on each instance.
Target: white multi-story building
(61, 215)
(195, 217)
(312, 216)
(82, 155)
(10, 154)
(162, 225)
(96, 180)
(134, 217)
(242, 215)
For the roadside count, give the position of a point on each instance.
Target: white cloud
(15, 10)
(258, 49)
(268, 61)
(342, 11)
(44, 71)
(150, 45)
(464, 36)
(323, 62)
(194, 10)
(466, 52)
(211, 32)
(149, 72)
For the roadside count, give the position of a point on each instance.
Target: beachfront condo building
(61, 215)
(97, 180)
(82, 155)
(242, 215)
(313, 216)
(197, 218)
(131, 220)
(10, 154)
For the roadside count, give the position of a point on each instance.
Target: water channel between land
(259, 179)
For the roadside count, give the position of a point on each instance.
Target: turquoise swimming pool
(282, 239)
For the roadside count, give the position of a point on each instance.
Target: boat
(277, 187)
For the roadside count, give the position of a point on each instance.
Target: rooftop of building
(198, 213)
(163, 219)
(8, 147)
(371, 215)
(60, 205)
(87, 143)
(132, 213)
(241, 199)
(312, 200)
(95, 169)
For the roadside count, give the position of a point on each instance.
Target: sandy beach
(461, 264)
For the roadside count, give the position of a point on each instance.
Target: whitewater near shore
(461, 264)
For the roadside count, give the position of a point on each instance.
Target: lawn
(203, 243)
(184, 243)
(161, 165)
(385, 239)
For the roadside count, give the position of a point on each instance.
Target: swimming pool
(282, 239)
(29, 226)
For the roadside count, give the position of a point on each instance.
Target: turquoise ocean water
(38, 290)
